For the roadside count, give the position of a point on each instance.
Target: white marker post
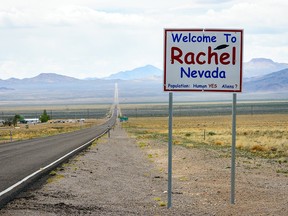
(202, 60)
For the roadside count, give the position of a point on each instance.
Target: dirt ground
(118, 177)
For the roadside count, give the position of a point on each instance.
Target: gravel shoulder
(118, 177)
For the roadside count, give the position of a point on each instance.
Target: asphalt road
(21, 159)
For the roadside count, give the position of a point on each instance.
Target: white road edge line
(46, 167)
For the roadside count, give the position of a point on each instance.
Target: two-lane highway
(24, 161)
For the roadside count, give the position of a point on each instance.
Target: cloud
(74, 15)
(96, 38)
(14, 18)
(254, 16)
(11, 68)
(67, 15)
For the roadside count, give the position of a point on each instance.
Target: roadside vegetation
(55, 120)
(29, 131)
(258, 135)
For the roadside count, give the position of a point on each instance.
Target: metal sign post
(233, 150)
(170, 150)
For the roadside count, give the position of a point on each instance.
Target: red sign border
(203, 30)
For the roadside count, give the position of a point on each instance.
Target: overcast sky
(95, 38)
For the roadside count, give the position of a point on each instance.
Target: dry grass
(29, 131)
(265, 135)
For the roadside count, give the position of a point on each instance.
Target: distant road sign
(203, 60)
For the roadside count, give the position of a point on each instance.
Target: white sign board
(203, 60)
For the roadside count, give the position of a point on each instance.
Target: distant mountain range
(272, 82)
(261, 66)
(5, 89)
(144, 84)
(254, 68)
(41, 78)
(148, 71)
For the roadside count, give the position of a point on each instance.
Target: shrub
(44, 117)
(218, 142)
(188, 134)
(211, 133)
(258, 147)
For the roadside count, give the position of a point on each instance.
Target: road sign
(203, 60)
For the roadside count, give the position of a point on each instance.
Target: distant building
(31, 120)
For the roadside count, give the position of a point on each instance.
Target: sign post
(170, 150)
(233, 150)
(202, 60)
